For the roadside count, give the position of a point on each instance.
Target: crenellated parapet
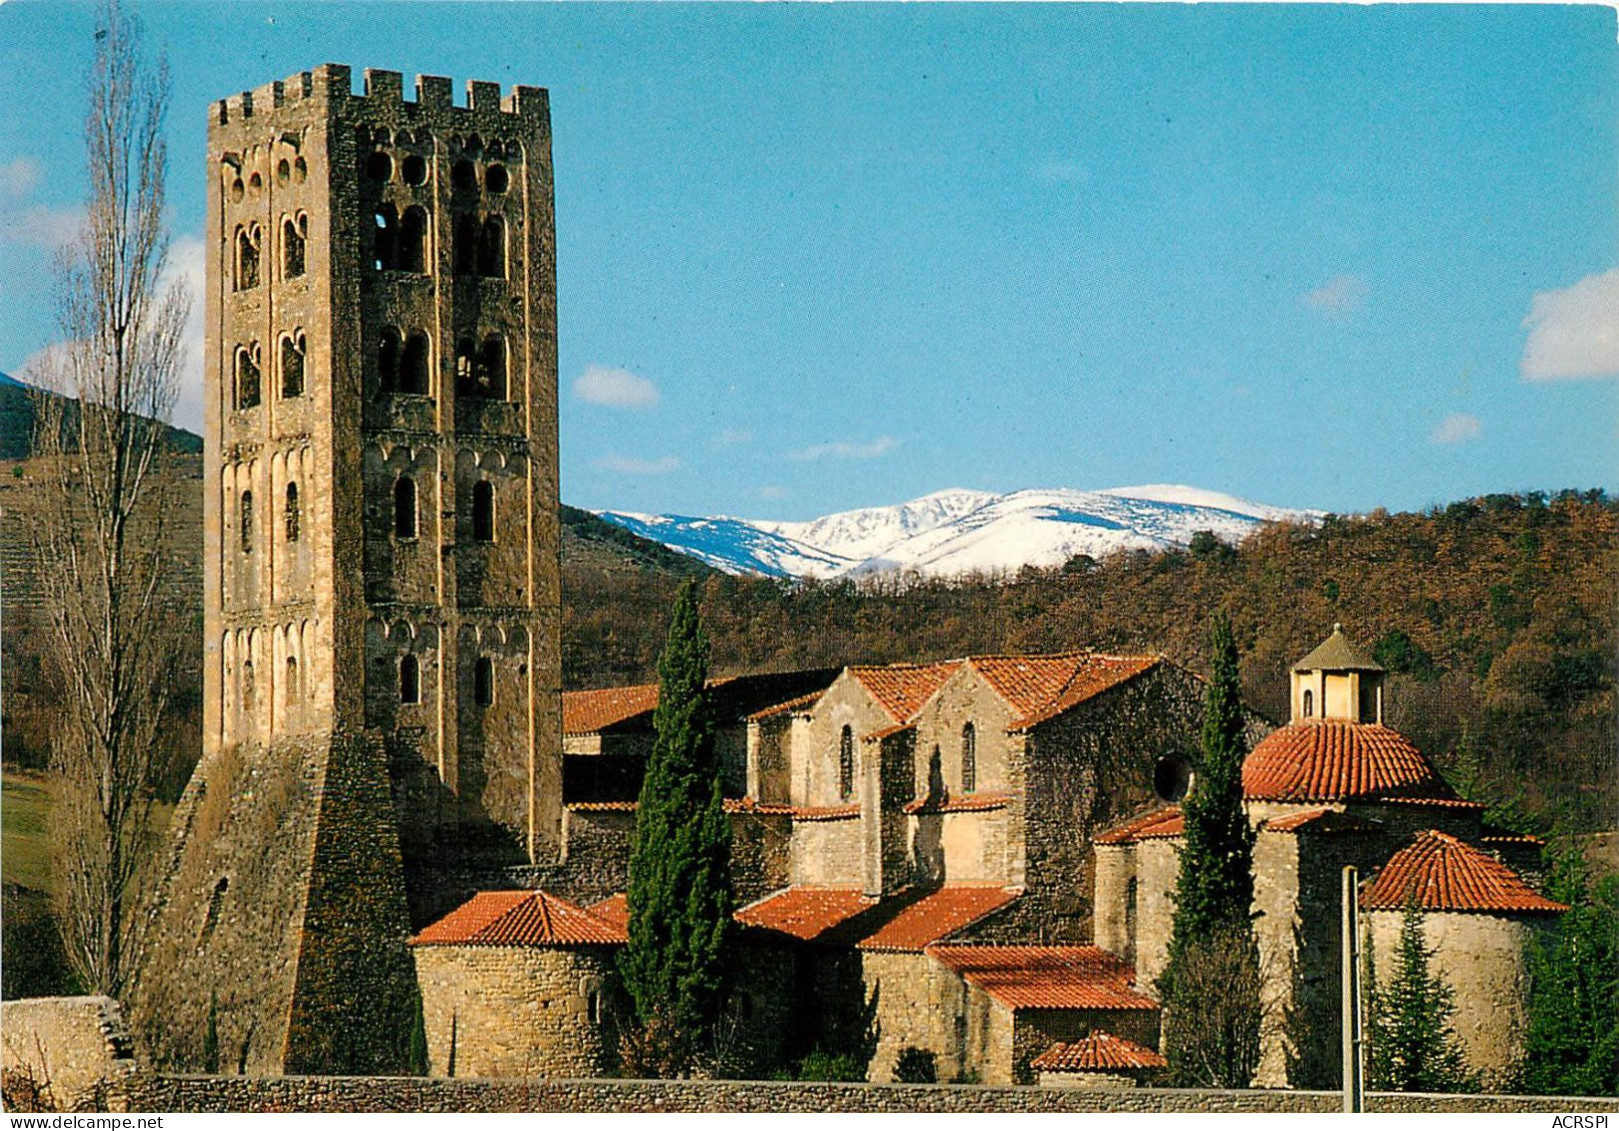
(332, 84)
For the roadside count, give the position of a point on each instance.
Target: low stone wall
(364, 1094)
(77, 1046)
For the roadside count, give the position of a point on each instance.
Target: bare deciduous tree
(101, 420)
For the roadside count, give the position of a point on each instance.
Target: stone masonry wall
(76, 1045)
(358, 1094)
(515, 1011)
(918, 1006)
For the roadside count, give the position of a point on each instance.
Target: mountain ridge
(961, 531)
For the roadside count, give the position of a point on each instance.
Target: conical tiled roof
(1099, 1052)
(1446, 874)
(519, 918)
(1336, 654)
(1338, 760)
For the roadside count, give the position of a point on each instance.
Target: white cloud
(1338, 296)
(1574, 332)
(630, 465)
(772, 492)
(19, 176)
(47, 229)
(618, 388)
(844, 450)
(1457, 428)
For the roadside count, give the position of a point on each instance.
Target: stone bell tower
(382, 692)
(1336, 682)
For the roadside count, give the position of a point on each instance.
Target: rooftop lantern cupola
(1336, 682)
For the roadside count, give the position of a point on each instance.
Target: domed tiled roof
(1440, 873)
(1338, 760)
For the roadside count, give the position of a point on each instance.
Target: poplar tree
(1210, 986)
(680, 898)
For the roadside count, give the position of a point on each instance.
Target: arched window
(247, 522)
(292, 512)
(413, 364)
(1309, 703)
(292, 365)
(292, 681)
(483, 681)
(410, 251)
(294, 235)
(388, 361)
(969, 759)
(466, 245)
(492, 368)
(483, 511)
(495, 179)
(410, 679)
(385, 248)
(247, 257)
(466, 381)
(247, 376)
(405, 508)
(846, 764)
(250, 689)
(492, 248)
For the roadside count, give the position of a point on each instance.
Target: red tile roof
(966, 803)
(801, 704)
(1134, 828)
(1431, 802)
(590, 712)
(888, 732)
(737, 805)
(1039, 688)
(937, 915)
(1338, 760)
(805, 913)
(1321, 821)
(1046, 977)
(1444, 874)
(901, 689)
(1099, 1052)
(519, 918)
(614, 911)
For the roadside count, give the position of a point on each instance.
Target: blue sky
(813, 257)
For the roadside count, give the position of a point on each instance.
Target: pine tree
(680, 898)
(1572, 1043)
(1210, 985)
(1412, 1046)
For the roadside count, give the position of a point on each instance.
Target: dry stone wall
(77, 1046)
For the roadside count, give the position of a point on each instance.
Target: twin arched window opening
(401, 239)
(405, 508)
(293, 349)
(402, 365)
(248, 242)
(247, 376)
(294, 238)
(969, 759)
(480, 248)
(846, 763)
(481, 371)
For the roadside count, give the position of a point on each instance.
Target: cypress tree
(1572, 1043)
(1412, 1045)
(680, 898)
(1210, 984)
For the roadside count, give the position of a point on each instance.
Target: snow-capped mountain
(959, 531)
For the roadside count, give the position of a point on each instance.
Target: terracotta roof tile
(1046, 977)
(1099, 1052)
(1321, 821)
(888, 732)
(1135, 826)
(805, 913)
(519, 918)
(1445, 874)
(1172, 826)
(1338, 760)
(965, 803)
(737, 805)
(614, 911)
(901, 689)
(1432, 802)
(802, 703)
(590, 712)
(937, 915)
(1039, 688)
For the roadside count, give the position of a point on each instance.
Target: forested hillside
(1496, 617)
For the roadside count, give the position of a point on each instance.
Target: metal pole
(1353, 1038)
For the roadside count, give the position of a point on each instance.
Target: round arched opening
(1172, 777)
